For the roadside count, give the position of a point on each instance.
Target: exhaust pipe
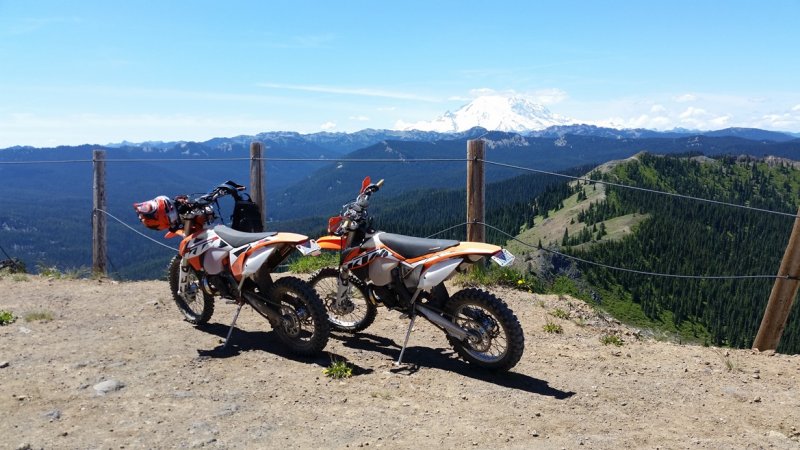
(449, 327)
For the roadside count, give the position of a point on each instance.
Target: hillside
(569, 389)
(653, 233)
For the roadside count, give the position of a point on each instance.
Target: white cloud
(658, 109)
(721, 121)
(796, 108)
(685, 98)
(359, 118)
(482, 91)
(549, 96)
(692, 112)
(76, 129)
(327, 126)
(364, 92)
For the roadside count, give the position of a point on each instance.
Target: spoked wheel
(304, 324)
(196, 306)
(495, 339)
(357, 312)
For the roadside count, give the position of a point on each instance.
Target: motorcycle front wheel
(356, 314)
(304, 324)
(196, 306)
(495, 340)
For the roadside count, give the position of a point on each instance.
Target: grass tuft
(338, 369)
(554, 328)
(6, 317)
(39, 316)
(560, 313)
(611, 339)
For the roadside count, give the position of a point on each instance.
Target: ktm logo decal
(196, 248)
(366, 258)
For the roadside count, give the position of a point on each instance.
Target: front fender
(331, 242)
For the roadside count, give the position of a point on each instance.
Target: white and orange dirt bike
(236, 264)
(408, 274)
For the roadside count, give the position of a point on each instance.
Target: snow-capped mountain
(493, 112)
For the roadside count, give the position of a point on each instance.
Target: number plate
(309, 247)
(503, 258)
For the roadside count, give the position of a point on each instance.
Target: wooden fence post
(782, 296)
(98, 217)
(476, 232)
(257, 180)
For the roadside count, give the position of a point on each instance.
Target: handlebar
(190, 209)
(355, 213)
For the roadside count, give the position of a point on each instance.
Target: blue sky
(102, 71)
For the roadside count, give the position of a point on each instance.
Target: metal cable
(640, 272)
(330, 160)
(652, 191)
(136, 231)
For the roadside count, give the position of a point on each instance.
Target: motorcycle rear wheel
(357, 315)
(495, 341)
(196, 306)
(304, 326)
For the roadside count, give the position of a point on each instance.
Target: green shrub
(6, 317)
(500, 276)
(554, 328)
(338, 369)
(559, 313)
(611, 339)
(308, 264)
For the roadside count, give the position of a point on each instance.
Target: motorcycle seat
(236, 238)
(412, 247)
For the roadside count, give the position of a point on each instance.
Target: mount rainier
(492, 112)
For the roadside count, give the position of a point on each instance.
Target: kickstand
(230, 331)
(405, 343)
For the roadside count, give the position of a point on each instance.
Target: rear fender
(470, 251)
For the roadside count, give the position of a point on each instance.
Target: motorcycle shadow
(266, 341)
(447, 360)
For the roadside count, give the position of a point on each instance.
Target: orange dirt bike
(237, 266)
(407, 274)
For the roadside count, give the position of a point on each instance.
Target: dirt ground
(117, 367)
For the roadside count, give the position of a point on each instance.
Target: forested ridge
(689, 237)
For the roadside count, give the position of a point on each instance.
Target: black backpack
(246, 215)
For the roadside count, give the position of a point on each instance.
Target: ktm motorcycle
(407, 274)
(237, 266)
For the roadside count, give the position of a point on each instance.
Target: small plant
(69, 274)
(541, 303)
(559, 313)
(19, 277)
(611, 339)
(49, 271)
(40, 316)
(551, 327)
(730, 364)
(308, 264)
(383, 394)
(6, 317)
(338, 369)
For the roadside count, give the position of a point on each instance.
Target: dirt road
(118, 368)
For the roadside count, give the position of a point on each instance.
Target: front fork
(183, 275)
(343, 287)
